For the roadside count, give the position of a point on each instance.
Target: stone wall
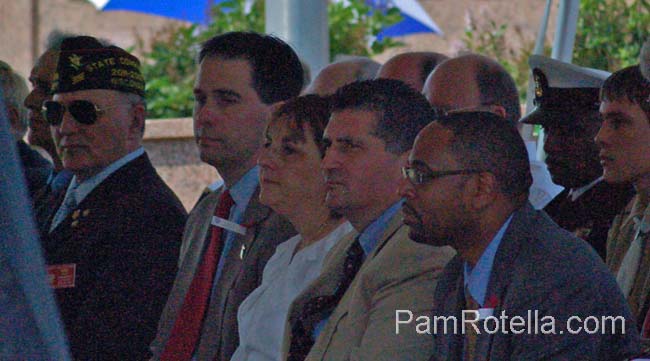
(171, 147)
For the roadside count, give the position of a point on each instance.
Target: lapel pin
(74, 224)
(76, 214)
(85, 213)
(242, 251)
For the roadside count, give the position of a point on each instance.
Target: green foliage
(169, 66)
(169, 70)
(610, 33)
(352, 26)
(609, 36)
(489, 38)
(231, 15)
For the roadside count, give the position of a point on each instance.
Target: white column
(565, 38)
(303, 24)
(565, 30)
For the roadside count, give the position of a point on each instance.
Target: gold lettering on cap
(99, 64)
(127, 61)
(75, 61)
(78, 78)
(539, 92)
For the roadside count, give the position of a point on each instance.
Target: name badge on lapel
(62, 275)
(228, 225)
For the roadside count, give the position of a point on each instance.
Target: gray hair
(14, 91)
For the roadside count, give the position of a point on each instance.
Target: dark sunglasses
(418, 176)
(83, 111)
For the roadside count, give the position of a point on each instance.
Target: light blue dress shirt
(368, 239)
(372, 233)
(83, 189)
(476, 278)
(241, 192)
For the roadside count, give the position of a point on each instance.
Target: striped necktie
(319, 308)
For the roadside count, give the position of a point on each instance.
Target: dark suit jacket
(220, 335)
(124, 240)
(590, 216)
(539, 266)
(35, 168)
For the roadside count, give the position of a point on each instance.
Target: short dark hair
(312, 110)
(496, 86)
(276, 69)
(628, 83)
(486, 141)
(401, 111)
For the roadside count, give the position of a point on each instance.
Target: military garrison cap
(85, 63)
(562, 88)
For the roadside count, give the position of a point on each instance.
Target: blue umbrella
(416, 20)
(195, 11)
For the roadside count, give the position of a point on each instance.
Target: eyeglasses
(418, 176)
(83, 111)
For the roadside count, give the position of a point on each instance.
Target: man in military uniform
(112, 238)
(566, 96)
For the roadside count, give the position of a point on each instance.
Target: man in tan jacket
(349, 312)
(624, 141)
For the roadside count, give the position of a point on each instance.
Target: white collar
(575, 193)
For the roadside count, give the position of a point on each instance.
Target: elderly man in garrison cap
(112, 239)
(567, 102)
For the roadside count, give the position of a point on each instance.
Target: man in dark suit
(36, 168)
(567, 102)
(229, 236)
(38, 133)
(466, 185)
(111, 241)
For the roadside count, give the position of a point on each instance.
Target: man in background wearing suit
(111, 240)
(413, 68)
(36, 168)
(466, 185)
(229, 235)
(566, 96)
(476, 82)
(348, 313)
(340, 73)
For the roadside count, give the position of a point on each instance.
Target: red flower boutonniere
(491, 302)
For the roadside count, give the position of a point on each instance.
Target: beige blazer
(398, 275)
(620, 237)
(240, 276)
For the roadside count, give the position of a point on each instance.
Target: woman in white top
(292, 185)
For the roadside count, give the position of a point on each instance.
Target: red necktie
(187, 326)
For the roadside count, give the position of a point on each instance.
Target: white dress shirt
(263, 313)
